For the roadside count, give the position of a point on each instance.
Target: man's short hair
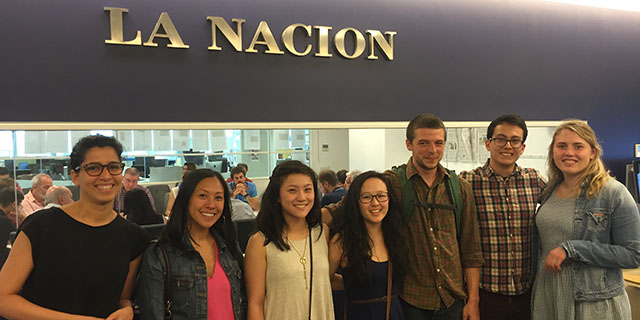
(244, 166)
(36, 180)
(328, 176)
(8, 195)
(512, 119)
(342, 175)
(132, 171)
(424, 120)
(354, 174)
(54, 193)
(237, 169)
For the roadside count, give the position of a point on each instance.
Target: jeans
(454, 312)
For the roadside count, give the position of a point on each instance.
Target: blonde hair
(595, 173)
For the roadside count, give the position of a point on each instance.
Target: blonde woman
(589, 229)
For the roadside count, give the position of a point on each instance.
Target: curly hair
(85, 144)
(354, 238)
(176, 228)
(270, 219)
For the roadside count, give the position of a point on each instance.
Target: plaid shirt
(118, 203)
(506, 208)
(438, 255)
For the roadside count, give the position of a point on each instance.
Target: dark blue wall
(462, 60)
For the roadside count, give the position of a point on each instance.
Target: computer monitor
(198, 160)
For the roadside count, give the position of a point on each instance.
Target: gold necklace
(303, 259)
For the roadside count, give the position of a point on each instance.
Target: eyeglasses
(501, 142)
(95, 169)
(367, 198)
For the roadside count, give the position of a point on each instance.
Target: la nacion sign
(262, 36)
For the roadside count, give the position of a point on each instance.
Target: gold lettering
(360, 43)
(323, 41)
(375, 36)
(287, 39)
(117, 33)
(235, 38)
(268, 40)
(170, 33)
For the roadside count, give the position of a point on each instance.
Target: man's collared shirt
(118, 203)
(30, 204)
(438, 256)
(506, 208)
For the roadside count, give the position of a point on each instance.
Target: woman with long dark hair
(587, 230)
(203, 254)
(369, 243)
(78, 261)
(138, 209)
(287, 260)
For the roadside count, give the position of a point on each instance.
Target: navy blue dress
(376, 289)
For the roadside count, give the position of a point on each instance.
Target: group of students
(81, 261)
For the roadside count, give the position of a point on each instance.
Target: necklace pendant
(303, 260)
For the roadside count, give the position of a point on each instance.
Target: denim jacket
(189, 282)
(606, 233)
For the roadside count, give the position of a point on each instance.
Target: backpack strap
(455, 194)
(408, 192)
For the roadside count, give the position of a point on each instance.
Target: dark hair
(245, 166)
(190, 166)
(270, 219)
(3, 171)
(80, 149)
(235, 170)
(512, 119)
(138, 209)
(354, 237)
(424, 120)
(8, 195)
(328, 176)
(342, 175)
(176, 228)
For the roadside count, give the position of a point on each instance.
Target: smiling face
(206, 204)
(297, 196)
(374, 211)
(505, 156)
(427, 148)
(571, 154)
(103, 188)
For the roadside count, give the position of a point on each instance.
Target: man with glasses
(130, 182)
(506, 196)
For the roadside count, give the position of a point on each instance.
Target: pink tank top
(219, 305)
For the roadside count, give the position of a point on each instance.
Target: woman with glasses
(287, 265)
(587, 230)
(78, 261)
(203, 255)
(369, 243)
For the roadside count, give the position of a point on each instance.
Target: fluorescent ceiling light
(626, 5)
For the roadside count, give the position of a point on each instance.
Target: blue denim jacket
(606, 233)
(189, 282)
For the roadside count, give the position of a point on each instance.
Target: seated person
(173, 194)
(57, 196)
(34, 199)
(130, 182)
(8, 206)
(342, 177)
(329, 186)
(138, 209)
(244, 190)
(245, 169)
(10, 183)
